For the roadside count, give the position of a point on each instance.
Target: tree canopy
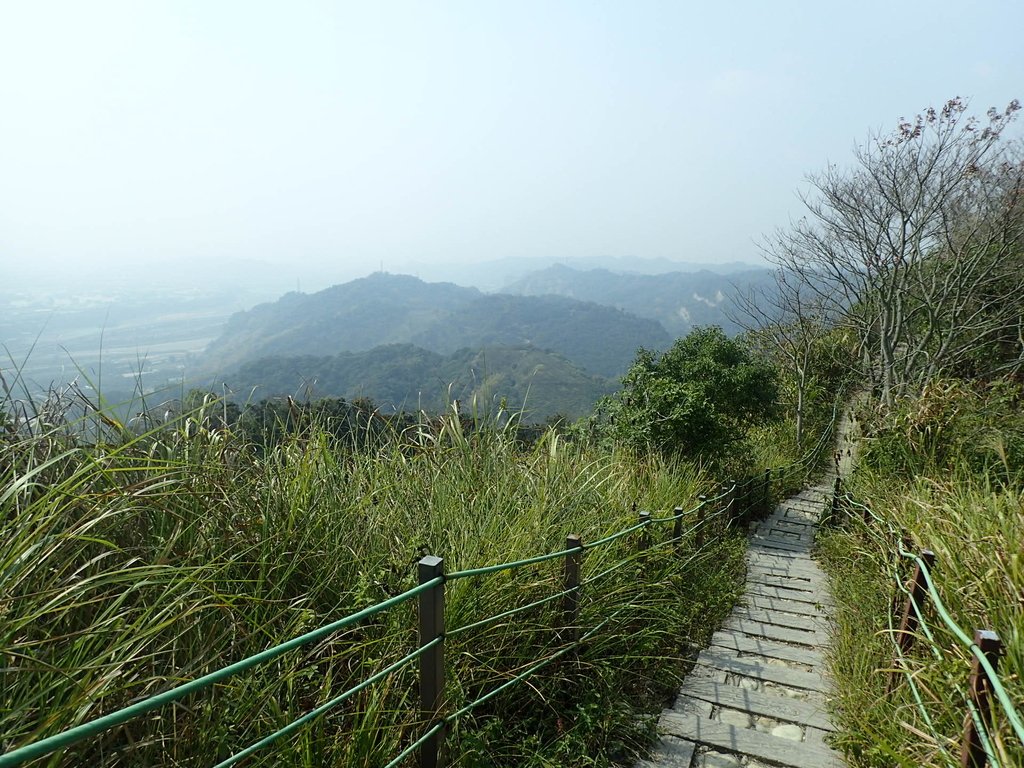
(698, 398)
(917, 248)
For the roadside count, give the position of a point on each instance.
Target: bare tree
(917, 248)
(790, 320)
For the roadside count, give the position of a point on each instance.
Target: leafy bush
(698, 399)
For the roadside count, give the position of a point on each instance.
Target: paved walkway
(757, 695)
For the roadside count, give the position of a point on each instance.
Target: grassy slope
(133, 565)
(970, 512)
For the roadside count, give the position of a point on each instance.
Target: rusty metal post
(972, 753)
(908, 616)
(431, 662)
(571, 587)
(677, 528)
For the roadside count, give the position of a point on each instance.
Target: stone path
(757, 695)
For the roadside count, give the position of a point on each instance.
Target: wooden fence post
(972, 754)
(699, 536)
(431, 662)
(644, 518)
(571, 586)
(767, 493)
(837, 489)
(677, 528)
(734, 513)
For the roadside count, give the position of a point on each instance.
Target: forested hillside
(440, 317)
(404, 377)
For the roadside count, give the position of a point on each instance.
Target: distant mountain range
(440, 317)
(555, 341)
(680, 301)
(495, 274)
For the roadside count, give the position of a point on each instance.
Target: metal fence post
(972, 754)
(677, 527)
(908, 616)
(431, 662)
(571, 586)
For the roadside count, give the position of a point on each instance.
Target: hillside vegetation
(440, 317)
(947, 470)
(133, 562)
(537, 384)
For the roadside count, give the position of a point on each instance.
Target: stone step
(803, 559)
(780, 527)
(809, 638)
(809, 515)
(781, 593)
(806, 584)
(802, 507)
(761, 543)
(670, 752)
(778, 533)
(794, 570)
(758, 703)
(800, 588)
(791, 620)
(746, 741)
(797, 526)
(800, 570)
(729, 645)
(785, 606)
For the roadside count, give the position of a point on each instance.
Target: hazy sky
(339, 136)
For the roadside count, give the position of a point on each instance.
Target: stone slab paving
(758, 695)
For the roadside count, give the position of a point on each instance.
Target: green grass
(132, 563)
(974, 522)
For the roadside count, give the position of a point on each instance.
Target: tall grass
(130, 563)
(970, 512)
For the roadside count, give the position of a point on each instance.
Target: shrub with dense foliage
(698, 399)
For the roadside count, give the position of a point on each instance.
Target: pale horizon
(330, 140)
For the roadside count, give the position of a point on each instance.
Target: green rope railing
(313, 714)
(515, 564)
(1007, 706)
(94, 727)
(997, 687)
